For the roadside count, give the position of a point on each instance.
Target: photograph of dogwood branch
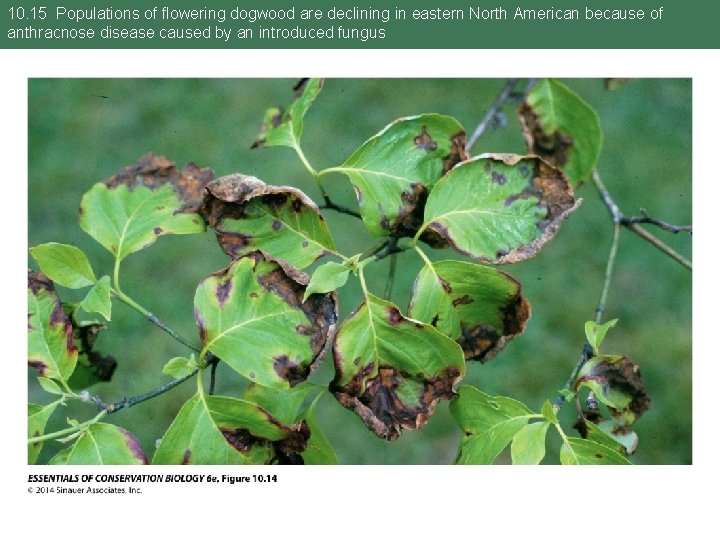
(359, 271)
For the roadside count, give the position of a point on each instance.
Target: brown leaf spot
(553, 147)
(276, 225)
(133, 444)
(222, 292)
(158, 231)
(39, 365)
(462, 300)
(240, 439)
(186, 457)
(289, 370)
(37, 281)
(393, 316)
(457, 152)
(624, 376)
(201, 326)
(424, 141)
(498, 178)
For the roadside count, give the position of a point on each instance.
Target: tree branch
(665, 226)
(492, 113)
(329, 205)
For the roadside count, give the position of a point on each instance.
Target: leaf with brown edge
(499, 208)
(247, 214)
(394, 170)
(151, 198)
(559, 126)
(392, 370)
(480, 307)
(617, 383)
(251, 316)
(51, 347)
(105, 444)
(38, 416)
(92, 366)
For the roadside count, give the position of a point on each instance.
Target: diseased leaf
(64, 264)
(318, 451)
(479, 307)
(92, 366)
(394, 171)
(284, 128)
(586, 452)
(105, 444)
(252, 317)
(37, 418)
(560, 127)
(488, 424)
(612, 432)
(98, 300)
(127, 212)
(391, 370)
(180, 366)
(51, 347)
(617, 383)
(499, 208)
(328, 277)
(528, 444)
(248, 214)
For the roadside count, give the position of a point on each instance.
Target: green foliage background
(84, 130)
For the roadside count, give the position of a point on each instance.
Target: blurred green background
(83, 130)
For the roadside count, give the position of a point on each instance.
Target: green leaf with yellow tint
(499, 208)
(394, 170)
(251, 315)
(562, 128)
(151, 198)
(318, 451)
(51, 348)
(248, 214)
(328, 277)
(38, 416)
(66, 265)
(479, 307)
(488, 424)
(180, 366)
(528, 444)
(98, 300)
(392, 370)
(105, 444)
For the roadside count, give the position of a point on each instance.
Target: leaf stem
(68, 431)
(305, 161)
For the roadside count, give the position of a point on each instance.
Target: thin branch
(664, 225)
(618, 217)
(392, 245)
(492, 113)
(391, 248)
(110, 408)
(329, 205)
(609, 267)
(213, 361)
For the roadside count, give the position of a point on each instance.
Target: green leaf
(499, 208)
(180, 366)
(64, 264)
(616, 382)
(51, 348)
(391, 370)
(37, 418)
(595, 333)
(319, 451)
(613, 434)
(328, 277)
(394, 170)
(60, 458)
(284, 128)
(528, 444)
(248, 214)
(251, 315)
(151, 198)
(284, 404)
(585, 452)
(97, 299)
(548, 412)
(562, 128)
(105, 444)
(479, 307)
(50, 386)
(488, 424)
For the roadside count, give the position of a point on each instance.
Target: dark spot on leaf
(457, 152)
(494, 405)
(445, 284)
(251, 374)
(200, 323)
(186, 457)
(553, 147)
(240, 439)
(222, 292)
(275, 200)
(499, 178)
(424, 141)
(133, 444)
(37, 281)
(435, 320)
(303, 330)
(276, 225)
(289, 370)
(393, 316)
(296, 206)
(157, 230)
(462, 300)
(253, 295)
(305, 243)
(524, 171)
(599, 455)
(39, 365)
